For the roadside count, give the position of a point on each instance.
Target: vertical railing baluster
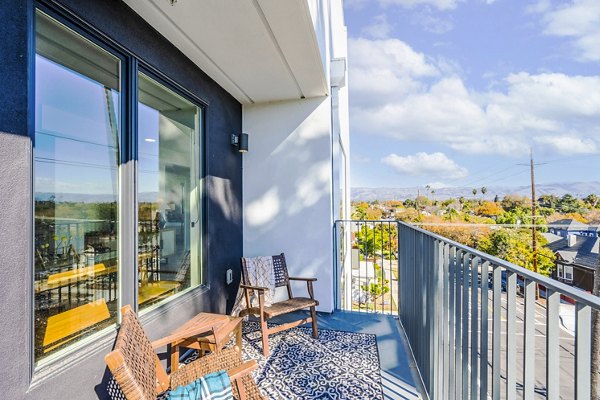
(458, 324)
(583, 344)
(552, 345)
(511, 344)
(496, 331)
(529, 342)
(483, 387)
(465, 324)
(475, 327)
(446, 326)
(359, 279)
(440, 306)
(451, 370)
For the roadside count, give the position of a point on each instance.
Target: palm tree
(474, 193)
(483, 190)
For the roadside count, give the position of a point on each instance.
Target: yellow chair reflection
(62, 326)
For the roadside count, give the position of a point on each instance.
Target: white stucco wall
(287, 189)
(292, 175)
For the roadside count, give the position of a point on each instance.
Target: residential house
(564, 227)
(576, 259)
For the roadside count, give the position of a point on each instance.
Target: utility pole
(533, 238)
(533, 216)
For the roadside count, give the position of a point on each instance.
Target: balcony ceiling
(258, 50)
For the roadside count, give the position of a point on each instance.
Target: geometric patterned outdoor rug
(338, 365)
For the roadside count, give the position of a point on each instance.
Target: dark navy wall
(83, 375)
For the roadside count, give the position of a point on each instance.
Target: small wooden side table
(215, 331)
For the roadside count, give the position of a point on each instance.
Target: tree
(379, 288)
(488, 209)
(409, 203)
(549, 201)
(569, 204)
(360, 211)
(368, 242)
(592, 200)
(474, 191)
(512, 201)
(483, 190)
(451, 213)
(515, 246)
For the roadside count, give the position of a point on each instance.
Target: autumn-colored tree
(360, 211)
(576, 216)
(489, 209)
(374, 214)
(469, 236)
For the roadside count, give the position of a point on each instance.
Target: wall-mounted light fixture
(240, 141)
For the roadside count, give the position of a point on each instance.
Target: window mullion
(128, 190)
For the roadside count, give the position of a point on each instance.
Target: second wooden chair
(265, 313)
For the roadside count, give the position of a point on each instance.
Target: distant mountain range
(578, 189)
(90, 198)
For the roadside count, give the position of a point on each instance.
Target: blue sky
(457, 92)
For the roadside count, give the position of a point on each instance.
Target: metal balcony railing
(473, 321)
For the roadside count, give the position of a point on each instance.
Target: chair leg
(265, 336)
(315, 328)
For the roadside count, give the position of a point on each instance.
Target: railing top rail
(579, 296)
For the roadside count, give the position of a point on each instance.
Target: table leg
(238, 335)
(174, 358)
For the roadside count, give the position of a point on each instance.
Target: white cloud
(439, 4)
(398, 92)
(434, 164)
(578, 20)
(379, 29)
(382, 70)
(569, 144)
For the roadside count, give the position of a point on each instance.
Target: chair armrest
(264, 289)
(302, 279)
(242, 370)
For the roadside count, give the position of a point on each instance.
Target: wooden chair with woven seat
(292, 304)
(141, 376)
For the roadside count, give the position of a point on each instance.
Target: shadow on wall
(287, 183)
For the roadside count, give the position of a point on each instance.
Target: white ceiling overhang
(257, 50)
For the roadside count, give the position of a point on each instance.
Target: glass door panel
(168, 192)
(76, 160)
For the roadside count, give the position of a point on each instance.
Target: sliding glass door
(76, 161)
(88, 168)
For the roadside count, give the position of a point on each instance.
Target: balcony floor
(398, 372)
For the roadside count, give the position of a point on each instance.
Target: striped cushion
(215, 386)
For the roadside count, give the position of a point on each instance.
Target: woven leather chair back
(137, 375)
(280, 269)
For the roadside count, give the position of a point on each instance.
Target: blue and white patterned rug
(337, 365)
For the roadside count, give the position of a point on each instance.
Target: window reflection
(76, 184)
(168, 193)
